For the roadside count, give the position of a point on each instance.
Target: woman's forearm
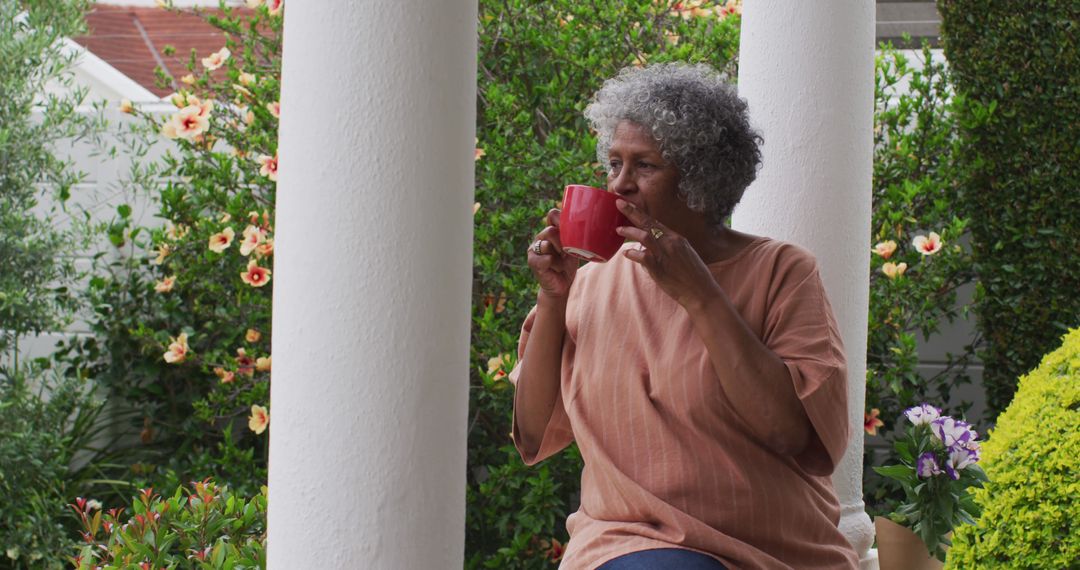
(756, 381)
(540, 371)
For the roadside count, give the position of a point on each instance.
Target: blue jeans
(663, 559)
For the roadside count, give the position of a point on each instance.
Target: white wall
(101, 190)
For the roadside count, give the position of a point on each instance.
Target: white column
(806, 69)
(372, 278)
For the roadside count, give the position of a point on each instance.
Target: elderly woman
(700, 370)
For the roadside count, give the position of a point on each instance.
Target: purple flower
(952, 433)
(960, 458)
(927, 465)
(922, 414)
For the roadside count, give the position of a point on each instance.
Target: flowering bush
(183, 322)
(939, 457)
(206, 526)
(918, 255)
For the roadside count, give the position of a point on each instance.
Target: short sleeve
(802, 330)
(557, 433)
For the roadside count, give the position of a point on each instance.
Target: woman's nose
(622, 184)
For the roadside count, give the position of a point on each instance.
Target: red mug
(588, 221)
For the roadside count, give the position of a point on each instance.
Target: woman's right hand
(552, 267)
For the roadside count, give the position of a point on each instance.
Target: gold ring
(536, 247)
(657, 233)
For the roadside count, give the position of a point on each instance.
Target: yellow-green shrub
(1031, 507)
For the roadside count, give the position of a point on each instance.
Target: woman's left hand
(668, 257)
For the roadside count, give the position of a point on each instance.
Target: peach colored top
(668, 461)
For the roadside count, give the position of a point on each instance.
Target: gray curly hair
(699, 122)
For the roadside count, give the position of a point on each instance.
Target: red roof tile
(132, 40)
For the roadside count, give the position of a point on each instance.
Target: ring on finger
(538, 247)
(657, 232)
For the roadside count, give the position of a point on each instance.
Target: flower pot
(901, 549)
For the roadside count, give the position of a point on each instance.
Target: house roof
(133, 39)
(895, 18)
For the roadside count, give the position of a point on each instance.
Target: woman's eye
(614, 166)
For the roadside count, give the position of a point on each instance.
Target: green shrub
(1015, 70)
(206, 526)
(48, 456)
(1031, 506)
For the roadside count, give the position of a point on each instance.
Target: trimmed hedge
(1031, 507)
(1017, 70)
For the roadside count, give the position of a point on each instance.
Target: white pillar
(372, 278)
(807, 70)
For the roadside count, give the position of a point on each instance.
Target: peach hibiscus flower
(275, 6)
(553, 549)
(245, 363)
(165, 285)
(928, 245)
(259, 418)
(221, 240)
(253, 237)
(246, 79)
(265, 248)
(216, 59)
(168, 130)
(254, 275)
(871, 422)
(204, 106)
(177, 231)
(885, 248)
(178, 349)
(275, 109)
(226, 376)
(126, 106)
(268, 166)
(188, 79)
(730, 7)
(190, 122)
(254, 3)
(163, 251)
(252, 335)
(500, 303)
(893, 270)
(263, 363)
(497, 366)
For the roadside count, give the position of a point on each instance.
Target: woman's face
(639, 174)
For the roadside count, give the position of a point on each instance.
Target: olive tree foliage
(35, 263)
(47, 418)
